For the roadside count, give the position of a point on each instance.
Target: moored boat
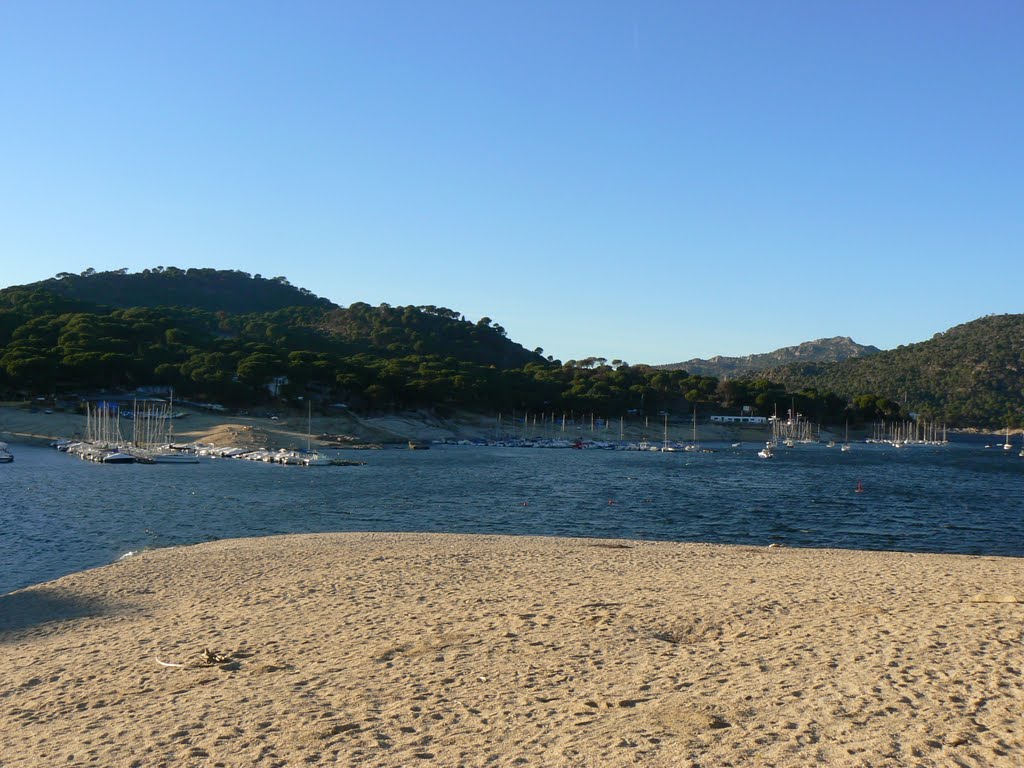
(316, 460)
(118, 457)
(173, 457)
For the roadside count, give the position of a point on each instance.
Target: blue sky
(649, 181)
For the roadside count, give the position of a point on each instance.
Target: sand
(415, 649)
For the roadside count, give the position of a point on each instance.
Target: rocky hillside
(832, 350)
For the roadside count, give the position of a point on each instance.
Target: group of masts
(551, 425)
(901, 433)
(558, 427)
(151, 424)
(103, 424)
(555, 426)
(794, 430)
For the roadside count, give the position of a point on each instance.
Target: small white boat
(766, 452)
(173, 457)
(118, 457)
(6, 457)
(288, 457)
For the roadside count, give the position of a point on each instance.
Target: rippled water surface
(59, 514)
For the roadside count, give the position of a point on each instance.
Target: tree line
(285, 343)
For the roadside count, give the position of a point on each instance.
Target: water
(59, 514)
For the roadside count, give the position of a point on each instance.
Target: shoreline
(396, 649)
(18, 424)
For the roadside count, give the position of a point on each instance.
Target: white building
(757, 420)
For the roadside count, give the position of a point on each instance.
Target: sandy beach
(414, 649)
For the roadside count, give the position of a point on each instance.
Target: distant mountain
(970, 375)
(831, 350)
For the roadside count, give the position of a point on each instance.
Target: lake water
(59, 514)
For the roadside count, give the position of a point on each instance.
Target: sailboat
(312, 458)
(693, 446)
(166, 454)
(1006, 445)
(846, 441)
(665, 447)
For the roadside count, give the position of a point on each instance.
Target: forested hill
(226, 335)
(970, 375)
(237, 339)
(818, 351)
(427, 331)
(212, 290)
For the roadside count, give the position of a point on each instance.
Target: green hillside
(240, 340)
(226, 335)
(970, 375)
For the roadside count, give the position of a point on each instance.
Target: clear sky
(649, 181)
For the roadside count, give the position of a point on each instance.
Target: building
(753, 420)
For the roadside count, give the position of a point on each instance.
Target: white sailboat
(693, 445)
(665, 447)
(1006, 445)
(846, 441)
(312, 458)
